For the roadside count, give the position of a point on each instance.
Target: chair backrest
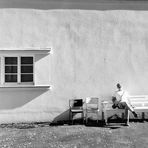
(92, 102)
(76, 103)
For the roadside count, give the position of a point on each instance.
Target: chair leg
(97, 117)
(105, 117)
(127, 116)
(143, 116)
(122, 116)
(72, 118)
(83, 117)
(86, 118)
(69, 117)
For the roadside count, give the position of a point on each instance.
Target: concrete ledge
(26, 87)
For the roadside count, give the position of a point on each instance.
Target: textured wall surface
(91, 52)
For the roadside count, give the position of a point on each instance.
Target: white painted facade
(77, 54)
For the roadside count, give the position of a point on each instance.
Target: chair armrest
(104, 105)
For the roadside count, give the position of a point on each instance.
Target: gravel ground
(74, 136)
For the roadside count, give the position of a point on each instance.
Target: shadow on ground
(25, 125)
(113, 123)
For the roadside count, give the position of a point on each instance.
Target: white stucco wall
(91, 52)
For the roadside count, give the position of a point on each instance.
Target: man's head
(114, 99)
(118, 86)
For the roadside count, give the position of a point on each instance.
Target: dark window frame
(15, 72)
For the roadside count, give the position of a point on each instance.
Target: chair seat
(77, 110)
(115, 110)
(92, 106)
(93, 109)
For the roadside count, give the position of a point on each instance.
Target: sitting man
(121, 101)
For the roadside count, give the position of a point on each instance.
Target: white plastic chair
(92, 105)
(75, 106)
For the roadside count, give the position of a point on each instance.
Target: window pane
(11, 60)
(10, 69)
(26, 77)
(26, 69)
(26, 60)
(10, 78)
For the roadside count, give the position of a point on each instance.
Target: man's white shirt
(121, 95)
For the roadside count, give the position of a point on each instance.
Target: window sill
(28, 87)
(28, 51)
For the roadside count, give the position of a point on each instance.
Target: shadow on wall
(62, 117)
(10, 99)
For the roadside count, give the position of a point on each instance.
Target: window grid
(22, 77)
(28, 64)
(10, 65)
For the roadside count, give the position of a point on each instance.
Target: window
(18, 69)
(11, 69)
(26, 69)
